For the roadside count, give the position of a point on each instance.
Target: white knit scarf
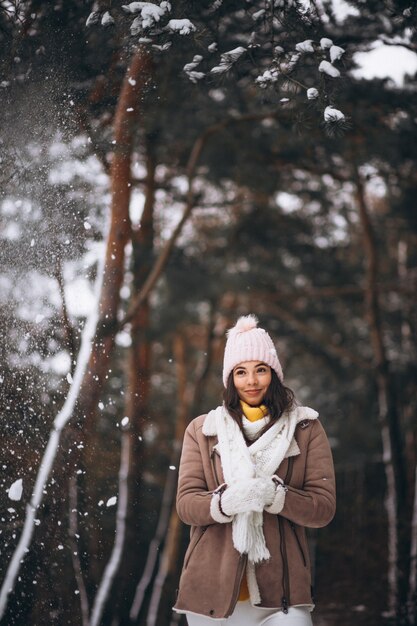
(241, 462)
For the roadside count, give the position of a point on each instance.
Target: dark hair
(278, 399)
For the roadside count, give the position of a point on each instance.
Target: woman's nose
(252, 378)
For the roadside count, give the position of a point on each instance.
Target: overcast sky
(382, 61)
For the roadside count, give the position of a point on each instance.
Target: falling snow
(16, 489)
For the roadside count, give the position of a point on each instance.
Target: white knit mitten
(278, 501)
(252, 494)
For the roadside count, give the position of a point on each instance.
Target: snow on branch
(227, 60)
(150, 15)
(189, 69)
(288, 62)
(283, 71)
(148, 20)
(182, 27)
(107, 19)
(268, 77)
(305, 46)
(312, 93)
(335, 122)
(333, 115)
(336, 53)
(329, 69)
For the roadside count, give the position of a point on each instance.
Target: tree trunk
(112, 566)
(135, 81)
(204, 365)
(393, 453)
(189, 394)
(136, 78)
(75, 549)
(412, 586)
(138, 385)
(170, 550)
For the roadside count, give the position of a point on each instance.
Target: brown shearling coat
(213, 568)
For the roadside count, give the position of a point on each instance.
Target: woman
(254, 472)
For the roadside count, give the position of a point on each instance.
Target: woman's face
(252, 379)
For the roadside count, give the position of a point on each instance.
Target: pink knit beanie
(247, 342)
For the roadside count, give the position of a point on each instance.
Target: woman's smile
(252, 392)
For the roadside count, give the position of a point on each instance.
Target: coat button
(211, 611)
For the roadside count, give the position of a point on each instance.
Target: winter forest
(165, 168)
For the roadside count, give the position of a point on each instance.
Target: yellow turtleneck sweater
(253, 414)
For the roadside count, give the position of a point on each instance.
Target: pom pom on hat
(243, 324)
(247, 342)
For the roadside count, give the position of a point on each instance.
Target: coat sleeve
(315, 504)
(194, 499)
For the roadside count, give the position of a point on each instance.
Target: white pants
(247, 615)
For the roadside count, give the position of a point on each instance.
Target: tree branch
(325, 344)
(194, 157)
(68, 327)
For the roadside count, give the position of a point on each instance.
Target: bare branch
(68, 327)
(326, 345)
